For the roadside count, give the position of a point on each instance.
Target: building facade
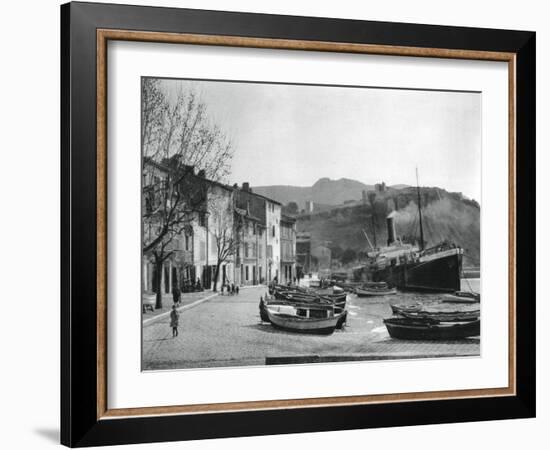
(229, 232)
(177, 265)
(288, 249)
(303, 254)
(213, 231)
(273, 224)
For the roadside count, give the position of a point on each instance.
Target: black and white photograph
(297, 224)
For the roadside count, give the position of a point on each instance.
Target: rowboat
(404, 328)
(302, 317)
(374, 291)
(442, 316)
(462, 297)
(438, 312)
(337, 297)
(348, 286)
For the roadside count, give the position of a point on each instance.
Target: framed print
(276, 224)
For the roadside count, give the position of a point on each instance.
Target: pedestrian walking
(232, 288)
(237, 289)
(174, 320)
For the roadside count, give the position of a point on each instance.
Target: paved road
(227, 331)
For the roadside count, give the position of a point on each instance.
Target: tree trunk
(216, 275)
(158, 270)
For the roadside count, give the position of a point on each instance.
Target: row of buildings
(226, 229)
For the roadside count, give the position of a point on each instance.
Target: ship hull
(439, 274)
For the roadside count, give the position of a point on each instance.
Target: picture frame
(86, 419)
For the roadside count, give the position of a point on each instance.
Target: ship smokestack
(390, 223)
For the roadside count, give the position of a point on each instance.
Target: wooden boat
(348, 286)
(293, 295)
(375, 291)
(400, 309)
(442, 316)
(403, 328)
(437, 312)
(462, 297)
(302, 317)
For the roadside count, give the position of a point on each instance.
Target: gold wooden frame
(104, 35)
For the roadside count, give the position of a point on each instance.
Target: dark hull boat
(409, 266)
(412, 267)
(439, 312)
(437, 272)
(404, 328)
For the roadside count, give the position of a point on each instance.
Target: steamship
(413, 267)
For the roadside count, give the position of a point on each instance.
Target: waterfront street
(227, 331)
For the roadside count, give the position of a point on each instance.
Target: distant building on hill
(380, 187)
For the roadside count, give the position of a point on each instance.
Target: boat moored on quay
(423, 329)
(302, 317)
(374, 289)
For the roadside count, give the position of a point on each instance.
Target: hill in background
(446, 216)
(324, 192)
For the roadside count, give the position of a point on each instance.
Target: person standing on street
(174, 320)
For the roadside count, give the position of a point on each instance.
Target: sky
(294, 134)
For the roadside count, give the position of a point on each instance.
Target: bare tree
(181, 147)
(221, 221)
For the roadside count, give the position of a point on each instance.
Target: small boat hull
(462, 297)
(403, 328)
(437, 312)
(365, 292)
(302, 325)
(283, 315)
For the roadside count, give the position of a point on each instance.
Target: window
(246, 272)
(270, 251)
(246, 250)
(273, 231)
(202, 219)
(187, 242)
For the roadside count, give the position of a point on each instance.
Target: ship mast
(419, 213)
(371, 197)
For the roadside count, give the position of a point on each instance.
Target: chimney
(391, 227)
(246, 186)
(201, 173)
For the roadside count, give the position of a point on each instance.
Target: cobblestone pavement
(227, 331)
